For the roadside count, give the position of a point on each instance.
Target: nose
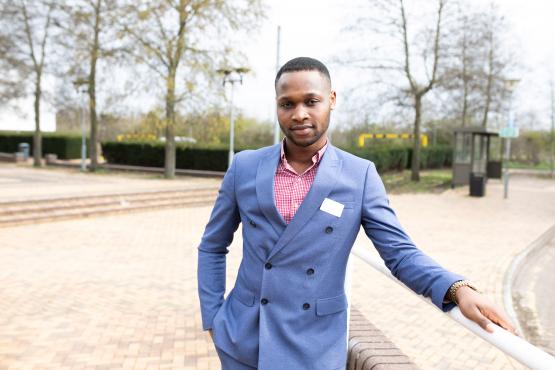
(299, 114)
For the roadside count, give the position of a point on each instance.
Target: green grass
(530, 166)
(431, 181)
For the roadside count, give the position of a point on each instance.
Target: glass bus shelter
(477, 154)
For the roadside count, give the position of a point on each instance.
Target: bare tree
(498, 61)
(27, 26)
(12, 73)
(178, 41)
(461, 80)
(478, 63)
(465, 75)
(409, 52)
(89, 34)
(418, 90)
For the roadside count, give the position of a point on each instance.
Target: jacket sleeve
(218, 235)
(405, 261)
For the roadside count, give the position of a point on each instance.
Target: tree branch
(437, 37)
(45, 35)
(406, 46)
(28, 33)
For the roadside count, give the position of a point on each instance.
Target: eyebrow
(307, 95)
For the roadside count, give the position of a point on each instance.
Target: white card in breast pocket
(332, 207)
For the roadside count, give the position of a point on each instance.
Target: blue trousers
(229, 363)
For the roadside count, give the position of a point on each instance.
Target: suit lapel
(265, 189)
(326, 176)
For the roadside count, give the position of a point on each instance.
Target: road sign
(509, 132)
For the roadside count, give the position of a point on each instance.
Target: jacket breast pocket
(243, 295)
(327, 306)
(347, 204)
(331, 219)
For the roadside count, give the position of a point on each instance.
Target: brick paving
(105, 293)
(23, 182)
(119, 292)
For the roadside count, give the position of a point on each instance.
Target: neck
(303, 154)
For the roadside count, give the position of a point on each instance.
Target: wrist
(455, 290)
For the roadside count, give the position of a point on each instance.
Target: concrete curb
(513, 270)
(121, 167)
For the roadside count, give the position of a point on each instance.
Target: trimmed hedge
(399, 158)
(385, 158)
(64, 146)
(435, 157)
(152, 155)
(215, 159)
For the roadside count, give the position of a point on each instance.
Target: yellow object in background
(363, 137)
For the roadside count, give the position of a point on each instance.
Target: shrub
(215, 158)
(152, 155)
(385, 158)
(63, 145)
(434, 157)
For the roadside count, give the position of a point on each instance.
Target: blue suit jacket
(287, 309)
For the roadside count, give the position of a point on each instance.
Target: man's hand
(479, 309)
(211, 335)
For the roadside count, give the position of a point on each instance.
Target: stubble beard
(312, 140)
(306, 143)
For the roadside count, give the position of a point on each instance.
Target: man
(301, 204)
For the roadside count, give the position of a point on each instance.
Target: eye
(312, 102)
(285, 105)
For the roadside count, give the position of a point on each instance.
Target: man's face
(304, 101)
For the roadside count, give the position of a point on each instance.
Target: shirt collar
(316, 158)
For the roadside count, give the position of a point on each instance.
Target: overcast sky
(315, 28)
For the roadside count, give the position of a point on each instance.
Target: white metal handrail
(514, 346)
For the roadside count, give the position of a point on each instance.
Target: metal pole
(552, 130)
(83, 137)
(506, 173)
(508, 150)
(276, 123)
(231, 125)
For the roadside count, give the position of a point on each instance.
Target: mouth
(301, 130)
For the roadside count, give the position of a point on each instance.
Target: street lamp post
(79, 86)
(552, 88)
(510, 85)
(232, 76)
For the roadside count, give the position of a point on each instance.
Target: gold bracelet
(452, 292)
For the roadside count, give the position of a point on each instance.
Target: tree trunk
(464, 74)
(169, 163)
(489, 82)
(465, 86)
(93, 142)
(415, 165)
(465, 103)
(93, 152)
(37, 137)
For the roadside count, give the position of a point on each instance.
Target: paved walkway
(119, 292)
(25, 182)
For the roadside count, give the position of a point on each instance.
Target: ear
(333, 97)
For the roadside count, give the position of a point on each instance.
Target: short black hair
(303, 64)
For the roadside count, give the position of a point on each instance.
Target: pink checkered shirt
(290, 187)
